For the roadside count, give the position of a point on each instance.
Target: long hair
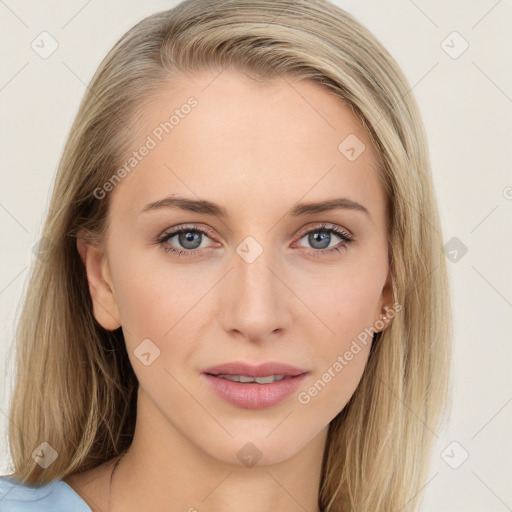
(74, 386)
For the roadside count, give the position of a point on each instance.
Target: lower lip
(253, 395)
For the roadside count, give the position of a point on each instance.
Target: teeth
(245, 378)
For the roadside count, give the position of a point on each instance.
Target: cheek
(337, 375)
(151, 294)
(340, 361)
(160, 302)
(346, 308)
(344, 354)
(344, 301)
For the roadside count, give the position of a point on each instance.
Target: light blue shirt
(56, 496)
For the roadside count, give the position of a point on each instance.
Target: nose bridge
(255, 282)
(255, 305)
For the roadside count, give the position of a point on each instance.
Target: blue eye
(188, 236)
(320, 238)
(191, 237)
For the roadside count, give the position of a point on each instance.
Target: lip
(261, 370)
(254, 395)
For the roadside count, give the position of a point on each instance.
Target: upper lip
(262, 370)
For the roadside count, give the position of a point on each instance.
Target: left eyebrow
(343, 203)
(210, 208)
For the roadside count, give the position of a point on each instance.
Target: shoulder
(56, 496)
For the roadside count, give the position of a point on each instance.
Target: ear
(386, 301)
(105, 307)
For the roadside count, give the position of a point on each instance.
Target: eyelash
(161, 240)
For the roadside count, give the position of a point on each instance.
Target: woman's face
(265, 281)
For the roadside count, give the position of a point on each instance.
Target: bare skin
(258, 151)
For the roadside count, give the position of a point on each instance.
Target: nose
(256, 302)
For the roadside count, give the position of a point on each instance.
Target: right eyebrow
(190, 205)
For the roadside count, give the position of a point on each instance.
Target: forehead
(247, 144)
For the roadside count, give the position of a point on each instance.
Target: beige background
(466, 104)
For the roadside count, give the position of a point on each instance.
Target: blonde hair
(75, 388)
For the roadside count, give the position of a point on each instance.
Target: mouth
(254, 387)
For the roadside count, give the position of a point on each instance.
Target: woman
(243, 287)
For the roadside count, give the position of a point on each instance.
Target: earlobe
(105, 308)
